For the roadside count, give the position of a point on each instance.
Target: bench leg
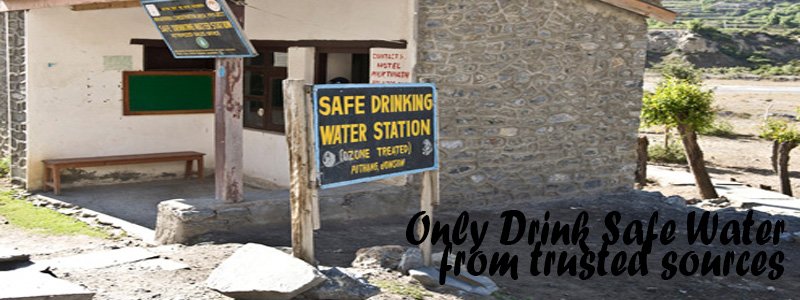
(46, 179)
(56, 180)
(200, 170)
(188, 170)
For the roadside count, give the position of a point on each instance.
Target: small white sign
(389, 66)
(153, 10)
(280, 60)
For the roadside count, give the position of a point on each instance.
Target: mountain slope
(741, 14)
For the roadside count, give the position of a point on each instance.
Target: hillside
(742, 52)
(737, 14)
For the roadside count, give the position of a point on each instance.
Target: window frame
(322, 49)
(268, 72)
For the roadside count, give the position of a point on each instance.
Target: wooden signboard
(199, 28)
(162, 92)
(370, 132)
(366, 132)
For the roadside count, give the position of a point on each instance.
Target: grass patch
(25, 215)
(408, 290)
(673, 154)
(720, 128)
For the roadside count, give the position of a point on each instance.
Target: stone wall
(538, 99)
(17, 89)
(4, 138)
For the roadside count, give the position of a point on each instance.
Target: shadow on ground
(138, 202)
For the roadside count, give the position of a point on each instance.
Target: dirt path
(337, 243)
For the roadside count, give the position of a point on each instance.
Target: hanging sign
(368, 132)
(199, 28)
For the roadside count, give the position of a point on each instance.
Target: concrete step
(98, 260)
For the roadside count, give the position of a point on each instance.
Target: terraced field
(739, 14)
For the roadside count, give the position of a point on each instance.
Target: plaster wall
(75, 64)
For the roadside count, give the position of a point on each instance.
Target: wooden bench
(53, 167)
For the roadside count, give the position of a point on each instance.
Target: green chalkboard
(161, 92)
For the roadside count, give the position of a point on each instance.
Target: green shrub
(779, 130)
(676, 103)
(675, 68)
(694, 25)
(5, 166)
(672, 154)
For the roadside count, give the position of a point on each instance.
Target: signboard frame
(316, 141)
(231, 18)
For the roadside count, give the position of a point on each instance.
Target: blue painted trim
(374, 178)
(362, 86)
(236, 27)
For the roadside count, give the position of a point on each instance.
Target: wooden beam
(646, 9)
(228, 130)
(14, 5)
(107, 5)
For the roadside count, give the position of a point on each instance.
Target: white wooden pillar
(299, 137)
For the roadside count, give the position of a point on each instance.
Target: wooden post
(783, 167)
(300, 195)
(429, 200)
(228, 130)
(312, 175)
(641, 161)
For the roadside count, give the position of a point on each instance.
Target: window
(263, 89)
(337, 63)
(264, 74)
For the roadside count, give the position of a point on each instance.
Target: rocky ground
(741, 156)
(337, 245)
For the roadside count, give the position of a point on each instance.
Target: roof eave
(645, 9)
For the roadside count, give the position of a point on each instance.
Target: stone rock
(88, 214)
(341, 286)
(11, 255)
(436, 259)
(481, 285)
(787, 237)
(68, 211)
(379, 257)
(26, 284)
(412, 259)
(676, 201)
(719, 200)
(259, 272)
(694, 43)
(99, 259)
(161, 264)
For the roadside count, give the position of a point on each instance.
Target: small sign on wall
(389, 66)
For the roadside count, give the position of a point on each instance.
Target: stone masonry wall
(18, 95)
(538, 99)
(4, 138)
